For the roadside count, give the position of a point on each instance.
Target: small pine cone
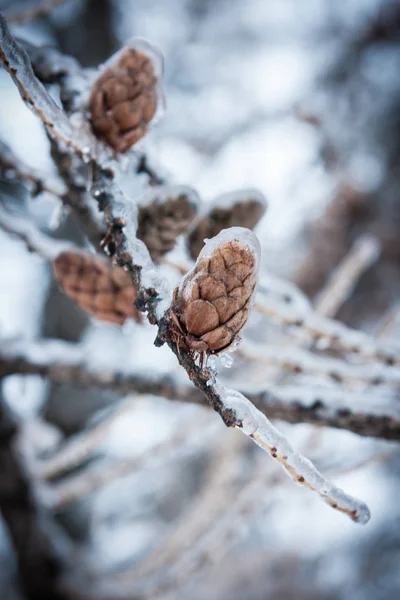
(166, 216)
(104, 291)
(211, 306)
(243, 208)
(124, 99)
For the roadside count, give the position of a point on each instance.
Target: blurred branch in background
(41, 549)
(38, 9)
(62, 362)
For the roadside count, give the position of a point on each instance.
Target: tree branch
(120, 216)
(63, 362)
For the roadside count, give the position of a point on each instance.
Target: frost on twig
(256, 425)
(13, 168)
(36, 241)
(300, 362)
(326, 333)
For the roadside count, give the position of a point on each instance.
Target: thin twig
(13, 168)
(92, 479)
(208, 505)
(363, 254)
(301, 362)
(36, 241)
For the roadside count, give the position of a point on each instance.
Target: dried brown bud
(166, 215)
(124, 99)
(211, 305)
(243, 208)
(104, 291)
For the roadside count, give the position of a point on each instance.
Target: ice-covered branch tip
(255, 425)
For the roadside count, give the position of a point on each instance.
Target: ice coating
(21, 226)
(212, 303)
(161, 193)
(141, 45)
(231, 198)
(300, 361)
(126, 95)
(33, 92)
(256, 426)
(327, 332)
(125, 211)
(234, 234)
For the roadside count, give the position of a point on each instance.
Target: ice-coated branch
(65, 362)
(16, 61)
(121, 219)
(36, 241)
(256, 425)
(77, 197)
(362, 255)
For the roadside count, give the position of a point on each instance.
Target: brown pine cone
(165, 217)
(211, 306)
(124, 100)
(243, 208)
(104, 291)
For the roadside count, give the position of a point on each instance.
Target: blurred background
(302, 101)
